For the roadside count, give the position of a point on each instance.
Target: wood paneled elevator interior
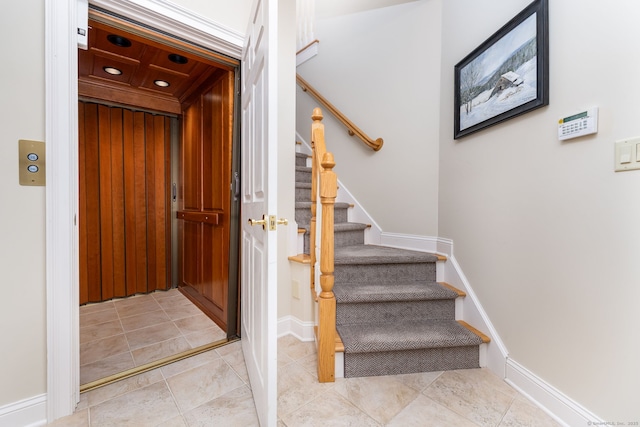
(157, 153)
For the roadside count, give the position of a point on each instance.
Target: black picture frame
(495, 82)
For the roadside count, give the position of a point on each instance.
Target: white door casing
(61, 116)
(259, 198)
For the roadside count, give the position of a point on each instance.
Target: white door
(259, 198)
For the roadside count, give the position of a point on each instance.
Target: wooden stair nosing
(460, 293)
(485, 338)
(300, 258)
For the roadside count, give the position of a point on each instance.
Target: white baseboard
(30, 412)
(290, 325)
(559, 406)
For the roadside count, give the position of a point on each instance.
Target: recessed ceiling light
(178, 59)
(119, 40)
(161, 83)
(112, 70)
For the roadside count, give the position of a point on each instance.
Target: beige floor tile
(132, 300)
(419, 381)
(233, 355)
(147, 406)
(77, 419)
(195, 323)
(234, 409)
(473, 394)
(174, 300)
(284, 361)
(424, 411)
(329, 409)
(137, 305)
(524, 413)
(105, 367)
(206, 336)
(181, 311)
(95, 307)
(159, 295)
(152, 334)
(183, 365)
(294, 348)
(297, 387)
(143, 320)
(119, 388)
(310, 364)
(209, 389)
(107, 315)
(174, 422)
(100, 349)
(99, 331)
(159, 350)
(382, 398)
(199, 385)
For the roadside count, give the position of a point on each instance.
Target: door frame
(61, 192)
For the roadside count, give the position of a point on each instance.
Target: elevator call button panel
(31, 162)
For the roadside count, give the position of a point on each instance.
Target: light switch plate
(31, 162)
(626, 155)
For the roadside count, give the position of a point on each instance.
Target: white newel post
(305, 11)
(306, 43)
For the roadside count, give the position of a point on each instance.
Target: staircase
(391, 314)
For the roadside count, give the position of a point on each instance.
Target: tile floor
(124, 333)
(212, 389)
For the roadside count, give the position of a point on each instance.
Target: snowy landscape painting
(505, 76)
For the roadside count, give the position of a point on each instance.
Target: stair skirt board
(410, 361)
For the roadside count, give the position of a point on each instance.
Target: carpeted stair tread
(374, 254)
(302, 184)
(387, 292)
(400, 336)
(341, 226)
(307, 205)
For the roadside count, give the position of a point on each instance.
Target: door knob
(272, 222)
(262, 222)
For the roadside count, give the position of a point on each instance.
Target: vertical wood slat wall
(124, 202)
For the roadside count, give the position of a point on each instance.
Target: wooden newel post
(327, 300)
(317, 124)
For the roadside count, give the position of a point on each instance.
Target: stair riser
(303, 194)
(340, 239)
(396, 311)
(410, 361)
(301, 159)
(303, 175)
(303, 216)
(385, 272)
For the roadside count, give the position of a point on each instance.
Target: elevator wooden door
(123, 202)
(204, 197)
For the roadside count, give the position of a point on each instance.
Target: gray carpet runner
(392, 316)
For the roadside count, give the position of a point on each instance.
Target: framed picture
(505, 76)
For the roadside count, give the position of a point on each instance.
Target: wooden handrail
(351, 128)
(323, 178)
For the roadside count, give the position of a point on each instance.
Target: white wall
(545, 231)
(330, 8)
(22, 305)
(380, 67)
(286, 150)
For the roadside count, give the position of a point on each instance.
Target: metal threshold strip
(153, 365)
